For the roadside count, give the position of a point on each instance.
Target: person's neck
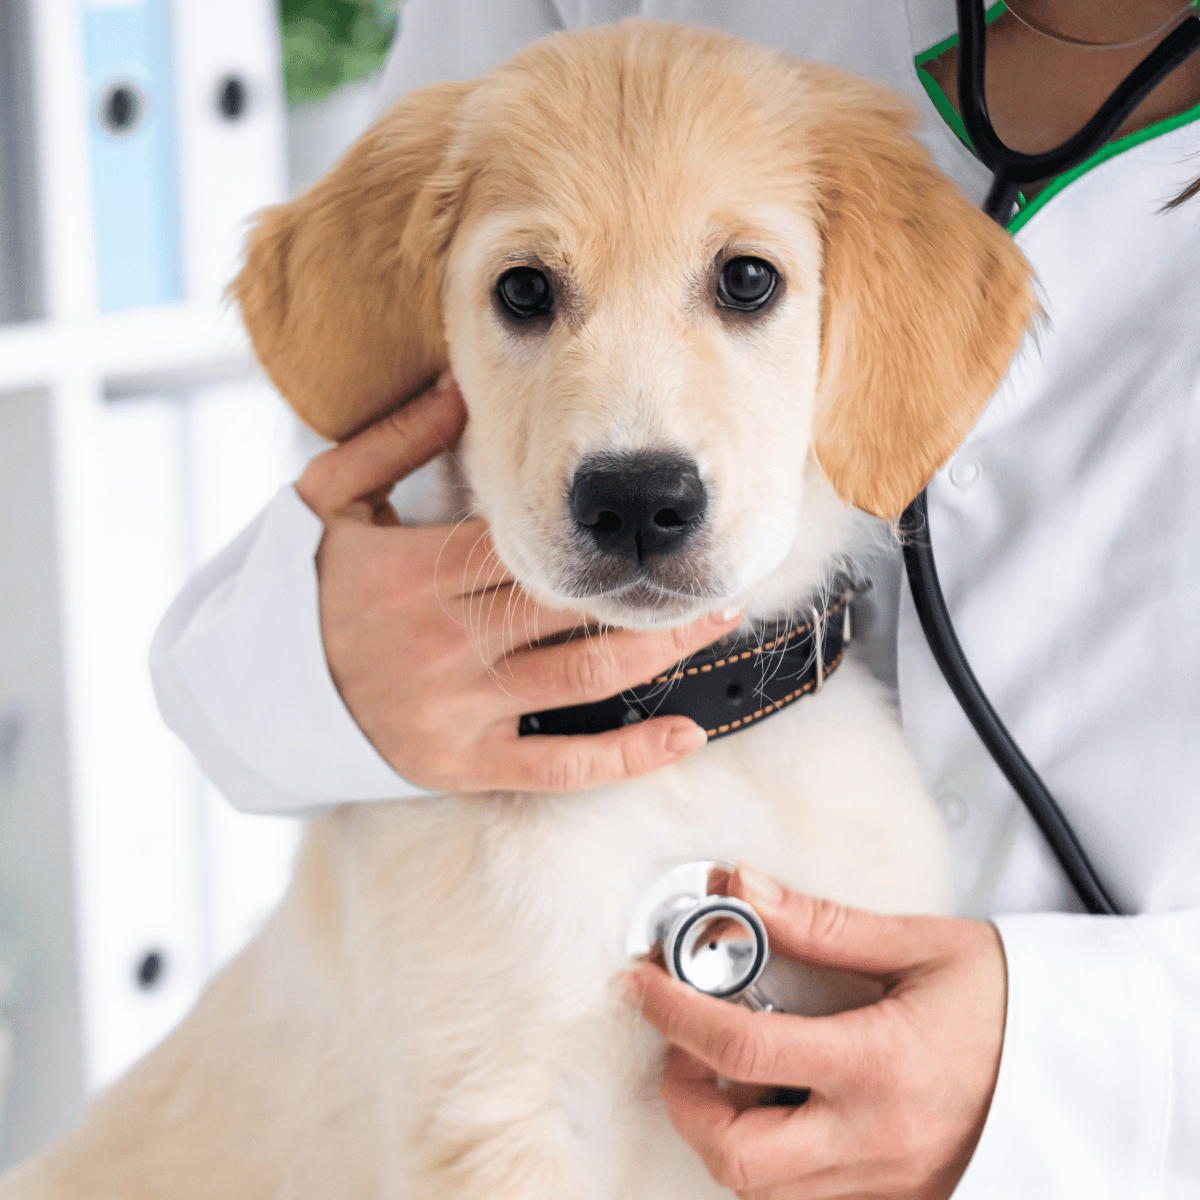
(1040, 90)
(1102, 23)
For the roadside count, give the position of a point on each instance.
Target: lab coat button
(953, 808)
(964, 473)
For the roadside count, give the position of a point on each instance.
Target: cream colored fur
(430, 1014)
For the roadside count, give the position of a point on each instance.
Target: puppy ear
(925, 302)
(341, 290)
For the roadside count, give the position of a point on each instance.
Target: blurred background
(136, 438)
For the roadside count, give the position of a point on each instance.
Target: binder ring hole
(122, 107)
(150, 970)
(232, 97)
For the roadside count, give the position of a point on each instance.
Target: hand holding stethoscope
(885, 1100)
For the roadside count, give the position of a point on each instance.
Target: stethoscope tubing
(948, 653)
(1010, 169)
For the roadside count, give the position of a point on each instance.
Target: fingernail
(758, 887)
(683, 739)
(724, 614)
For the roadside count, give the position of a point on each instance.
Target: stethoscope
(1010, 169)
(718, 944)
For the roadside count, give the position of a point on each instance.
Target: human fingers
(768, 1152)
(828, 1147)
(457, 567)
(775, 1049)
(602, 665)
(452, 725)
(822, 932)
(410, 560)
(479, 591)
(752, 1150)
(405, 565)
(918, 1074)
(385, 451)
(873, 1133)
(464, 562)
(693, 1089)
(703, 1108)
(904, 1084)
(505, 618)
(571, 764)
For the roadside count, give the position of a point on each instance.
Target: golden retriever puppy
(655, 257)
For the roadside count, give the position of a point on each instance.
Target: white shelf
(127, 353)
(163, 440)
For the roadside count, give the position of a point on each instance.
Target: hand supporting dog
(428, 638)
(900, 1088)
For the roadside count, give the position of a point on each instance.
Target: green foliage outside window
(327, 43)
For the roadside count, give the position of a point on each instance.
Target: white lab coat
(1067, 533)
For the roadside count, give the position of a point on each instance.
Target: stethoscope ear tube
(948, 653)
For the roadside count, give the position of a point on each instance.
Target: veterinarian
(1047, 1053)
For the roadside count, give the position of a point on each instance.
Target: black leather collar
(729, 685)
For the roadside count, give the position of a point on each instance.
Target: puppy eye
(746, 283)
(525, 292)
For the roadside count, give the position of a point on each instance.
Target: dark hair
(1193, 189)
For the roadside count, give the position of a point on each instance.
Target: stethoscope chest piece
(717, 944)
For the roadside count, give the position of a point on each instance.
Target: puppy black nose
(638, 505)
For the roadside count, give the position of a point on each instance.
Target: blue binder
(135, 195)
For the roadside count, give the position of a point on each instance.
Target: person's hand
(427, 636)
(900, 1089)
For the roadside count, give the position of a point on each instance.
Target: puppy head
(700, 299)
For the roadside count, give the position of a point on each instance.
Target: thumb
(385, 451)
(824, 933)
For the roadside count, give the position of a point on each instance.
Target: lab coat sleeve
(240, 675)
(1098, 1093)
